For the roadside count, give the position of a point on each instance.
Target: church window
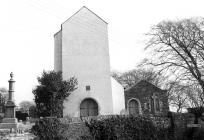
(133, 107)
(150, 104)
(157, 104)
(145, 106)
(88, 107)
(88, 88)
(161, 106)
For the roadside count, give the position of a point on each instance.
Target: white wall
(118, 97)
(85, 55)
(58, 51)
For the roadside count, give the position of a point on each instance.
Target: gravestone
(9, 121)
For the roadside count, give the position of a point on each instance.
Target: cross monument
(9, 121)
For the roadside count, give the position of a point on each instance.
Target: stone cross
(154, 96)
(154, 100)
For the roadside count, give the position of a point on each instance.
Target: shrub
(48, 129)
(126, 128)
(197, 111)
(51, 93)
(199, 134)
(21, 116)
(194, 133)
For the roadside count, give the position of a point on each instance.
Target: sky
(27, 28)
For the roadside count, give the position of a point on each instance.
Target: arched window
(157, 104)
(88, 107)
(133, 107)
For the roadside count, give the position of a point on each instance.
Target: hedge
(126, 128)
(48, 129)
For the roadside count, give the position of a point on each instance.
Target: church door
(133, 107)
(88, 107)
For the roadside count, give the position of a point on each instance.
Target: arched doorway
(133, 107)
(88, 107)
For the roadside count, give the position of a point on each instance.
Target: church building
(145, 98)
(81, 50)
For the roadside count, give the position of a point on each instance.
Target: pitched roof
(142, 81)
(57, 32)
(88, 10)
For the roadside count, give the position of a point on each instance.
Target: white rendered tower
(81, 50)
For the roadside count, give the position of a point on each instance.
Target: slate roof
(144, 82)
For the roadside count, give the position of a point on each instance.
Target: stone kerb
(69, 120)
(158, 121)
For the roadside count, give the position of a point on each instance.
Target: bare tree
(179, 49)
(3, 95)
(3, 90)
(25, 105)
(116, 75)
(195, 96)
(131, 77)
(177, 96)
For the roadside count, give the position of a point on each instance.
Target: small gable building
(147, 99)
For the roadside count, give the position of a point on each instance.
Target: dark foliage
(126, 128)
(51, 93)
(33, 112)
(48, 129)
(193, 134)
(197, 111)
(21, 116)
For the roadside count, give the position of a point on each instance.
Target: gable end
(84, 7)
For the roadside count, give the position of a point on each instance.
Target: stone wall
(144, 91)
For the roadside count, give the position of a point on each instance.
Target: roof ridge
(133, 85)
(146, 82)
(80, 10)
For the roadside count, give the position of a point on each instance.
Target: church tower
(82, 51)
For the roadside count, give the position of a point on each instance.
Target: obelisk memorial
(9, 120)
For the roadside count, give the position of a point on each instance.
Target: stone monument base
(9, 123)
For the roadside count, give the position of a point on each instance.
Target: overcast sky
(27, 28)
